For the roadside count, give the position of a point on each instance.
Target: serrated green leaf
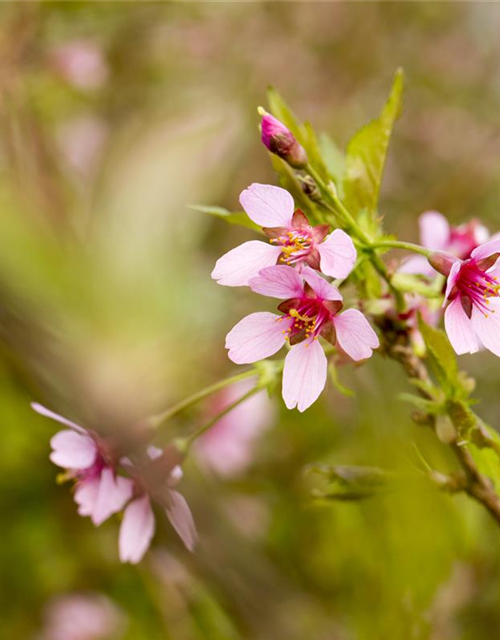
(288, 180)
(239, 218)
(442, 357)
(486, 457)
(334, 159)
(304, 133)
(366, 156)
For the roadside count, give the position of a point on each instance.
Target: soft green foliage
(366, 156)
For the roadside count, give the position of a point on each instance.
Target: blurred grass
(108, 312)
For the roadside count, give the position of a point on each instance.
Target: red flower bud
(442, 262)
(281, 141)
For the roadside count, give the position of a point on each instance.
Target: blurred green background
(108, 312)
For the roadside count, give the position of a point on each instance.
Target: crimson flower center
(308, 315)
(295, 245)
(477, 285)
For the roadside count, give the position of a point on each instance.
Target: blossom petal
(181, 518)
(487, 326)
(321, 287)
(267, 205)
(452, 279)
(86, 493)
(238, 266)
(486, 250)
(355, 334)
(43, 411)
(137, 530)
(72, 450)
(256, 337)
(337, 254)
(459, 328)
(279, 281)
(304, 374)
(417, 265)
(434, 230)
(114, 493)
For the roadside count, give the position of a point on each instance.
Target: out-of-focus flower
(472, 315)
(81, 141)
(310, 309)
(281, 141)
(100, 491)
(228, 447)
(81, 63)
(438, 235)
(82, 617)
(293, 241)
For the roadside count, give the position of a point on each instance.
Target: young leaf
(366, 155)
(442, 356)
(304, 133)
(239, 218)
(334, 159)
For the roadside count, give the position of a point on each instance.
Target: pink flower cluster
(287, 269)
(100, 491)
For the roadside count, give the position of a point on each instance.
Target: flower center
(308, 317)
(477, 285)
(295, 246)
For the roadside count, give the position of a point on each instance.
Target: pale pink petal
(337, 254)
(181, 518)
(238, 266)
(434, 230)
(267, 205)
(452, 279)
(304, 374)
(279, 281)
(256, 337)
(72, 450)
(417, 265)
(321, 287)
(487, 326)
(114, 493)
(481, 234)
(137, 530)
(86, 493)
(486, 250)
(55, 416)
(355, 334)
(459, 328)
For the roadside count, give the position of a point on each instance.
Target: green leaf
(366, 156)
(239, 218)
(414, 284)
(334, 159)
(304, 133)
(428, 406)
(486, 456)
(442, 357)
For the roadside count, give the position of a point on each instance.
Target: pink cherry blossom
(281, 141)
(438, 235)
(228, 446)
(472, 315)
(100, 491)
(292, 240)
(311, 309)
(82, 616)
(81, 63)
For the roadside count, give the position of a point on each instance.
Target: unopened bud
(442, 262)
(281, 141)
